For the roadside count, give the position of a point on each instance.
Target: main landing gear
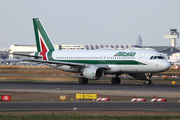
(148, 82)
(116, 80)
(83, 80)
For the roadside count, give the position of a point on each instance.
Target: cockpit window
(157, 57)
(160, 57)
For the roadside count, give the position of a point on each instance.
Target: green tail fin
(43, 42)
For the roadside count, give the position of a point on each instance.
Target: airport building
(95, 47)
(139, 41)
(72, 47)
(21, 49)
(167, 51)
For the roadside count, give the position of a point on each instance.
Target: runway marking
(102, 92)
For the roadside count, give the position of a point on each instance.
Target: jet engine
(93, 73)
(141, 76)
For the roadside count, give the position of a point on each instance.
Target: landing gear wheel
(113, 80)
(83, 80)
(118, 80)
(148, 82)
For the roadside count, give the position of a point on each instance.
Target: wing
(64, 63)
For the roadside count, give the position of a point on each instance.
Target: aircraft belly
(130, 68)
(134, 68)
(126, 69)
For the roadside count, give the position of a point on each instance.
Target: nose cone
(165, 65)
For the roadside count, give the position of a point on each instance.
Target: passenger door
(141, 57)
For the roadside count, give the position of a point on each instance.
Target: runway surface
(90, 86)
(72, 88)
(88, 106)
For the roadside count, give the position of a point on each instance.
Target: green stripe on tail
(39, 27)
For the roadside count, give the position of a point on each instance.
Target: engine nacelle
(141, 76)
(93, 73)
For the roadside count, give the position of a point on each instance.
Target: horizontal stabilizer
(36, 57)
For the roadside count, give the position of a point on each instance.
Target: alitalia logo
(125, 54)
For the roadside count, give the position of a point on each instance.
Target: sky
(93, 22)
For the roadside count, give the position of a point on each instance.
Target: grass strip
(87, 117)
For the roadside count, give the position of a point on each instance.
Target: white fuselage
(119, 61)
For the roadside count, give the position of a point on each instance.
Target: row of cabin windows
(72, 48)
(95, 58)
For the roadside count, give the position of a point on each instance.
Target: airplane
(94, 64)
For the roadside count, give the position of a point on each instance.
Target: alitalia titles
(125, 54)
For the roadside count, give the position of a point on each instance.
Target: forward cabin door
(140, 64)
(149, 66)
(141, 57)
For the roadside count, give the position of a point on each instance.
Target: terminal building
(96, 47)
(21, 49)
(167, 51)
(71, 47)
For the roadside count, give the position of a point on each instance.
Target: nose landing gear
(148, 82)
(148, 76)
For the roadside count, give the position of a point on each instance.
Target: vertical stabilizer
(43, 42)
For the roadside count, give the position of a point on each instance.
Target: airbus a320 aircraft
(94, 64)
